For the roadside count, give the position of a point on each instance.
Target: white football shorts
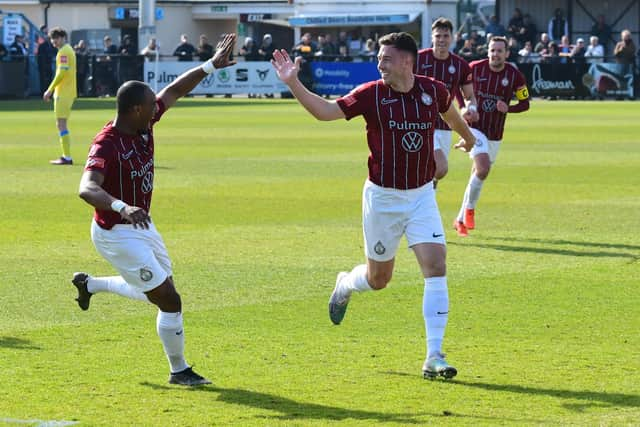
(483, 145)
(442, 141)
(388, 213)
(139, 255)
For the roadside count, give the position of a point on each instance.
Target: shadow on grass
(592, 398)
(20, 344)
(550, 251)
(567, 242)
(294, 410)
(37, 104)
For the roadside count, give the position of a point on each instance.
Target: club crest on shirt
(426, 99)
(379, 248)
(505, 82)
(145, 274)
(452, 69)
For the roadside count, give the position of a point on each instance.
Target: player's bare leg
(442, 166)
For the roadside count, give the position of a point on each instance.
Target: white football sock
(475, 186)
(171, 333)
(435, 310)
(465, 200)
(115, 285)
(356, 280)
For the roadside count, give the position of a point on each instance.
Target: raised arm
(287, 71)
(187, 81)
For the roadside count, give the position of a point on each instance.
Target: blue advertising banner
(339, 78)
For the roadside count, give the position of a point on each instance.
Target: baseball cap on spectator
(580, 40)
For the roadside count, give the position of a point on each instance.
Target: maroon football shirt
(126, 161)
(454, 72)
(399, 129)
(489, 87)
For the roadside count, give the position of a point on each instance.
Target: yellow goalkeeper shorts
(62, 107)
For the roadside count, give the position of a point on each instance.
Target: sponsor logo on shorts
(145, 274)
(435, 235)
(379, 248)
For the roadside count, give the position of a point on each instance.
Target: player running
(400, 110)
(118, 181)
(454, 72)
(495, 81)
(64, 91)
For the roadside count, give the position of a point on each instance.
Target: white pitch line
(40, 423)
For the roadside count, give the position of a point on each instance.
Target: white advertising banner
(11, 27)
(244, 77)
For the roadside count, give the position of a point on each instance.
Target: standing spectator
(369, 52)
(603, 31)
(495, 83)
(495, 27)
(205, 50)
(625, 50)
(151, 51)
(513, 48)
(516, 24)
(266, 48)
(343, 41)
(64, 91)
(305, 50)
(118, 182)
(249, 50)
(185, 50)
(398, 197)
(107, 81)
(82, 65)
(18, 49)
(550, 55)
(558, 26)
(46, 58)
(578, 52)
(595, 51)
(529, 31)
(330, 49)
(128, 48)
(542, 45)
(564, 49)
(109, 47)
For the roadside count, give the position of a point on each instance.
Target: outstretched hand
(464, 145)
(223, 51)
(286, 69)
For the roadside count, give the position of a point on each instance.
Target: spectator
(18, 48)
(595, 51)
(495, 27)
(343, 41)
(185, 50)
(525, 54)
(249, 50)
(330, 50)
(529, 31)
(266, 48)
(323, 50)
(543, 44)
(578, 52)
(151, 51)
(82, 65)
(513, 48)
(550, 56)
(46, 57)
(205, 50)
(343, 54)
(305, 49)
(558, 26)
(370, 52)
(625, 50)
(602, 30)
(128, 48)
(564, 49)
(516, 24)
(109, 47)
(467, 52)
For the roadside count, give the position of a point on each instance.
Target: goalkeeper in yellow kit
(64, 91)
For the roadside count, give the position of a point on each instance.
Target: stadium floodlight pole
(147, 26)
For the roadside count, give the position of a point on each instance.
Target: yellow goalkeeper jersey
(64, 83)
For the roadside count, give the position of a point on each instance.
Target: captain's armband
(522, 93)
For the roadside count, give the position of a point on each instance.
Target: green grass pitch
(259, 206)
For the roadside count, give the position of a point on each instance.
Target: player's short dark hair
(130, 94)
(56, 32)
(442, 23)
(401, 41)
(502, 39)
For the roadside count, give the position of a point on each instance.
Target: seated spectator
(204, 50)
(564, 49)
(150, 51)
(625, 50)
(543, 44)
(578, 51)
(495, 27)
(185, 50)
(550, 56)
(558, 26)
(526, 55)
(595, 51)
(516, 24)
(602, 30)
